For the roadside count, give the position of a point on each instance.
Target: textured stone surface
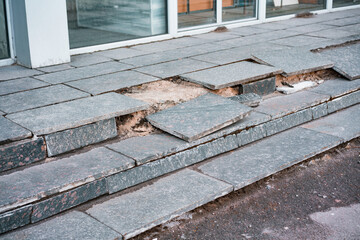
(331, 33)
(40, 181)
(87, 59)
(21, 153)
(249, 99)
(289, 121)
(39, 97)
(15, 219)
(218, 146)
(261, 87)
(148, 148)
(55, 68)
(68, 200)
(10, 131)
(112, 82)
(174, 68)
(75, 138)
(251, 135)
(248, 30)
(135, 212)
(298, 41)
(261, 159)
(294, 61)
(282, 105)
(11, 72)
(76, 113)
(320, 111)
(231, 75)
(73, 225)
(83, 72)
(199, 117)
(18, 85)
(156, 46)
(343, 124)
(344, 101)
(121, 53)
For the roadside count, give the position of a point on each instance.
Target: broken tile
(296, 87)
(337, 87)
(18, 85)
(16, 71)
(249, 99)
(10, 131)
(15, 219)
(260, 87)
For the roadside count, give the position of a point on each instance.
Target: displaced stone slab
(73, 225)
(344, 102)
(12, 72)
(337, 87)
(68, 200)
(133, 213)
(15, 219)
(251, 135)
(296, 87)
(294, 61)
(39, 97)
(21, 153)
(260, 87)
(83, 72)
(231, 75)
(87, 59)
(112, 82)
(343, 124)
(283, 105)
(10, 131)
(55, 68)
(174, 68)
(261, 159)
(249, 99)
(18, 85)
(65, 141)
(320, 110)
(44, 180)
(76, 113)
(199, 117)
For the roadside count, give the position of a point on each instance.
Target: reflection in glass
(4, 43)
(238, 9)
(343, 3)
(284, 7)
(93, 22)
(196, 12)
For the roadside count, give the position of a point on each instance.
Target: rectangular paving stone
(215, 36)
(83, 72)
(18, 85)
(16, 71)
(133, 213)
(289, 121)
(231, 75)
(155, 46)
(112, 82)
(298, 41)
(331, 33)
(261, 87)
(21, 153)
(320, 110)
(55, 68)
(15, 219)
(249, 99)
(76, 113)
(337, 87)
(35, 98)
(87, 59)
(38, 182)
(218, 146)
(311, 28)
(283, 105)
(121, 53)
(251, 135)
(73, 225)
(294, 61)
(199, 117)
(251, 163)
(344, 102)
(10, 131)
(248, 30)
(65, 141)
(343, 124)
(68, 200)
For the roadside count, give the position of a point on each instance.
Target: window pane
(4, 43)
(93, 22)
(196, 12)
(343, 3)
(238, 9)
(285, 7)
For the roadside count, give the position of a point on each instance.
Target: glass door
(196, 12)
(4, 39)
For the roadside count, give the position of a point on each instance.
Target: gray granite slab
(76, 113)
(354, 29)
(320, 110)
(55, 68)
(112, 82)
(311, 28)
(343, 124)
(10, 131)
(249, 99)
(331, 33)
(248, 30)
(218, 146)
(155, 46)
(188, 41)
(283, 105)
(73, 225)
(250, 135)
(121, 53)
(15, 219)
(12, 72)
(35, 98)
(337, 87)
(344, 102)
(65, 141)
(199, 117)
(298, 41)
(216, 36)
(294, 61)
(261, 87)
(272, 26)
(21, 153)
(38, 182)
(346, 59)
(133, 213)
(87, 59)
(62, 202)
(18, 85)
(266, 157)
(231, 75)
(83, 72)
(174, 68)
(344, 21)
